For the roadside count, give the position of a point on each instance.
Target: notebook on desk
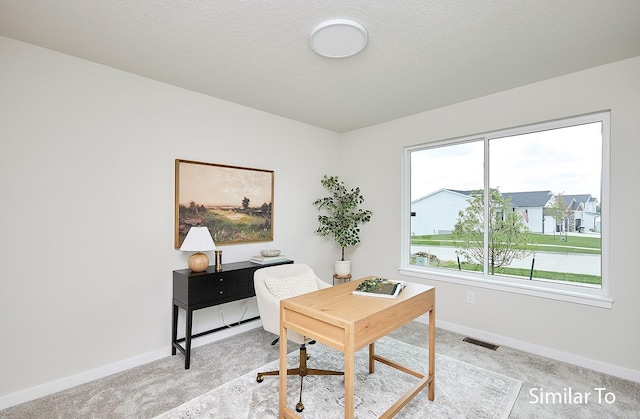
(379, 287)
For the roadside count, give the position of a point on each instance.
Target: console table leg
(174, 330)
(187, 340)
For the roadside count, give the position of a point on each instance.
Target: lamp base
(198, 262)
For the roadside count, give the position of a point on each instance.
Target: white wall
(606, 338)
(87, 187)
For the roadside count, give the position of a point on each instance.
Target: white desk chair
(275, 283)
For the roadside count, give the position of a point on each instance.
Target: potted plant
(342, 218)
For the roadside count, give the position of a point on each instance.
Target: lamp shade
(198, 240)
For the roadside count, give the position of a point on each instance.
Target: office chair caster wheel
(299, 407)
(259, 378)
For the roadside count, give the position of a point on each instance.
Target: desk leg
(349, 378)
(187, 340)
(174, 329)
(432, 353)
(372, 362)
(282, 396)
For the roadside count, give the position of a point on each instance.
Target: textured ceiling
(422, 54)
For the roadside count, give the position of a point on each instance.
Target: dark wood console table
(193, 291)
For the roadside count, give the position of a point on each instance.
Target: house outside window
(518, 210)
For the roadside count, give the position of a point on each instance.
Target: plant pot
(342, 267)
(422, 261)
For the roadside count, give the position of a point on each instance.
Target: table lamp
(198, 240)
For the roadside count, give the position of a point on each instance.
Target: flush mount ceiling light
(338, 38)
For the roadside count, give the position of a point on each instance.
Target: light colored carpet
(462, 390)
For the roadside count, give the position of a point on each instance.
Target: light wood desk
(348, 323)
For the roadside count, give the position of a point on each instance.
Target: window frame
(570, 293)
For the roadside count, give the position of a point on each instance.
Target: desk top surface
(337, 304)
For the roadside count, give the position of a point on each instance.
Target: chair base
(297, 371)
(311, 342)
(302, 371)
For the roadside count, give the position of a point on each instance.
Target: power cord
(246, 306)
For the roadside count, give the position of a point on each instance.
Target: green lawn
(522, 273)
(542, 242)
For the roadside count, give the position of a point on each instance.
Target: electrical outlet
(471, 297)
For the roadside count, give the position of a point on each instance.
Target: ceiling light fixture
(338, 38)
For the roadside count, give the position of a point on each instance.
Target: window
(519, 210)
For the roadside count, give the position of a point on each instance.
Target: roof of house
(466, 193)
(525, 199)
(573, 202)
(528, 199)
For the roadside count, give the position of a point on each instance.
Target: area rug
(462, 390)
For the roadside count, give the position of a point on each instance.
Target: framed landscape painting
(234, 203)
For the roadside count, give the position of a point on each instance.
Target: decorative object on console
(198, 240)
(235, 203)
(343, 218)
(268, 260)
(218, 267)
(270, 253)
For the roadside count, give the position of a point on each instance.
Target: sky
(566, 160)
(218, 185)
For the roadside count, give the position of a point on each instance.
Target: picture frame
(235, 203)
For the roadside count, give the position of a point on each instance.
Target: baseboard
(606, 368)
(88, 376)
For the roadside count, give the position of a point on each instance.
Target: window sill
(524, 287)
